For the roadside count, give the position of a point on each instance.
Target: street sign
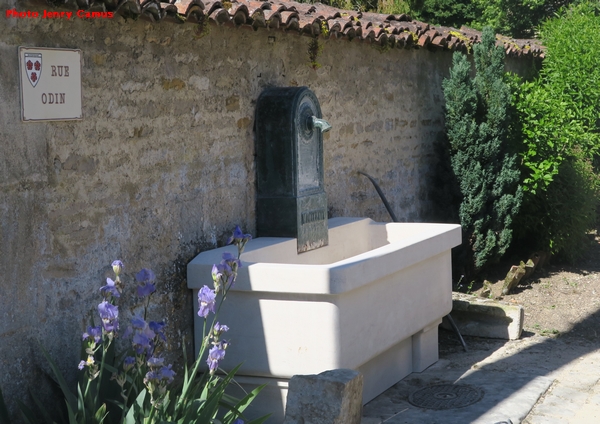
(50, 82)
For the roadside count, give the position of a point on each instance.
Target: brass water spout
(322, 124)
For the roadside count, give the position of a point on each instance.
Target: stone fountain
(316, 294)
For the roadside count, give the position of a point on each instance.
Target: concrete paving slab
(567, 402)
(556, 407)
(547, 420)
(580, 378)
(533, 380)
(506, 396)
(570, 394)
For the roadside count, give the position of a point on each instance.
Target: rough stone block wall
(162, 164)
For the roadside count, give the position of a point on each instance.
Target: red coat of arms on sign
(33, 67)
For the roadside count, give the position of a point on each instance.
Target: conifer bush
(478, 129)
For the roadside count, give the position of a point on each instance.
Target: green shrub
(557, 219)
(455, 13)
(560, 111)
(516, 18)
(560, 122)
(477, 123)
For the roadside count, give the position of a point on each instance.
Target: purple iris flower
(215, 355)
(230, 267)
(166, 373)
(219, 329)
(223, 275)
(93, 333)
(238, 421)
(141, 342)
(231, 261)
(146, 289)
(226, 256)
(108, 311)
(138, 322)
(217, 272)
(128, 363)
(158, 328)
(110, 326)
(206, 301)
(154, 362)
(225, 268)
(109, 314)
(148, 332)
(145, 275)
(151, 376)
(110, 288)
(238, 236)
(117, 267)
(90, 362)
(217, 276)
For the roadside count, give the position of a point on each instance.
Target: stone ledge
(490, 318)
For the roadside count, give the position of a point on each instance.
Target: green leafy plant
(459, 286)
(560, 110)
(136, 386)
(314, 51)
(203, 27)
(560, 126)
(454, 13)
(557, 219)
(515, 18)
(390, 7)
(477, 124)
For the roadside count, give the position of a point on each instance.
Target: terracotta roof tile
(257, 19)
(290, 21)
(452, 43)
(184, 7)
(349, 32)
(439, 41)
(405, 39)
(423, 40)
(240, 15)
(398, 31)
(328, 12)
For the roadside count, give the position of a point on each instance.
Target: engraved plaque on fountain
(289, 160)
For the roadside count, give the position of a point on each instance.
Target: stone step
(475, 316)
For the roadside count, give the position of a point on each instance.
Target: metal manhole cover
(446, 396)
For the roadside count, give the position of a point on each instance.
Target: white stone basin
(371, 301)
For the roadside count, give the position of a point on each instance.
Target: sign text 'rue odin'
(50, 84)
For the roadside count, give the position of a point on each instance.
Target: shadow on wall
(444, 189)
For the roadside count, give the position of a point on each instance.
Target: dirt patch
(559, 300)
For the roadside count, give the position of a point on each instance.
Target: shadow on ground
(512, 375)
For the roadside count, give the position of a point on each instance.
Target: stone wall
(162, 164)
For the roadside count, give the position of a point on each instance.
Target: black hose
(382, 196)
